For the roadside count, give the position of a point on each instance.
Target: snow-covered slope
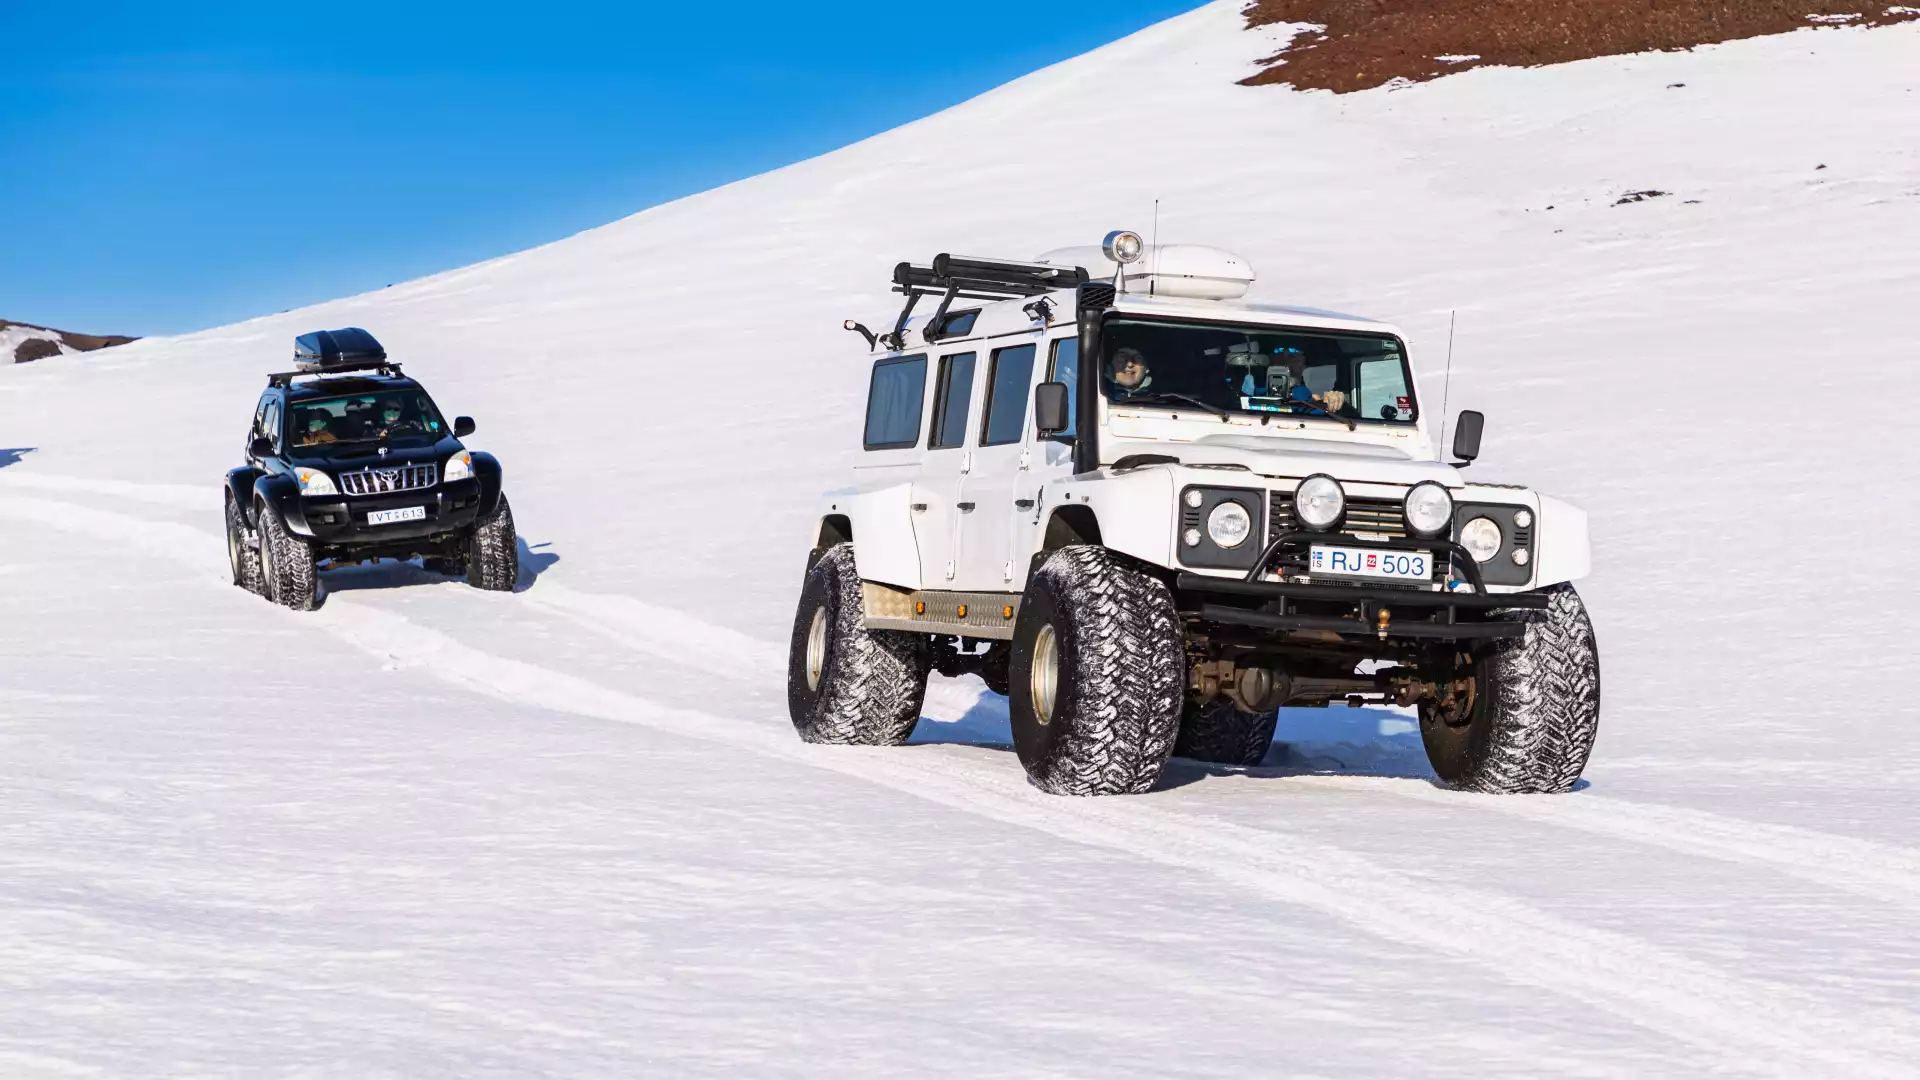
(428, 831)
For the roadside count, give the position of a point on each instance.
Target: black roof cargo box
(337, 350)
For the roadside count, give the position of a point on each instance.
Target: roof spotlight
(1123, 246)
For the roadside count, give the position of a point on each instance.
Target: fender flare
(486, 469)
(240, 484)
(279, 494)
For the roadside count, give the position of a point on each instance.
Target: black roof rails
(335, 352)
(953, 277)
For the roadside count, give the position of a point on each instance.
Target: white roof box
(1189, 271)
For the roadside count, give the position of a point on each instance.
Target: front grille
(1382, 517)
(1374, 517)
(390, 480)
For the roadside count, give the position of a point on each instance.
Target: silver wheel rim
(1044, 681)
(817, 647)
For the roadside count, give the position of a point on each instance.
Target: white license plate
(1371, 563)
(390, 517)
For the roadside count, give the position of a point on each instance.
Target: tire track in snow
(1760, 1027)
(1880, 872)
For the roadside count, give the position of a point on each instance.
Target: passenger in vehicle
(394, 421)
(312, 428)
(1128, 374)
(1332, 401)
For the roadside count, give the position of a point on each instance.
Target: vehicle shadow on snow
(12, 455)
(396, 574)
(1308, 742)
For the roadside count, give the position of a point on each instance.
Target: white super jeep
(1152, 514)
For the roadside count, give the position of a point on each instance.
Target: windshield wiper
(1317, 411)
(1163, 397)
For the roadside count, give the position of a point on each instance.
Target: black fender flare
(486, 470)
(279, 494)
(240, 483)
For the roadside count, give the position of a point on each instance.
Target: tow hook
(1382, 620)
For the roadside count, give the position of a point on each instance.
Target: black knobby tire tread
(295, 577)
(874, 682)
(1123, 646)
(249, 576)
(493, 550)
(1220, 732)
(1545, 704)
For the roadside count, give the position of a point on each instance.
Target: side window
(954, 398)
(1065, 368)
(270, 424)
(1007, 383)
(1383, 390)
(893, 402)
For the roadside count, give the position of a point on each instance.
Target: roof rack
(285, 378)
(335, 352)
(953, 277)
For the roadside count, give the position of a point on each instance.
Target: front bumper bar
(1375, 606)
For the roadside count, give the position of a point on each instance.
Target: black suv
(349, 461)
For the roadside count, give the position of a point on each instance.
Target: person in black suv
(348, 460)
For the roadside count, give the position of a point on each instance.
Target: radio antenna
(1156, 248)
(1446, 390)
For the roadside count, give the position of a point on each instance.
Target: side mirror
(1466, 436)
(261, 446)
(462, 426)
(1050, 416)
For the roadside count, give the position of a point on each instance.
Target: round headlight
(1318, 502)
(1429, 509)
(1193, 498)
(1481, 538)
(1191, 537)
(1229, 524)
(1123, 246)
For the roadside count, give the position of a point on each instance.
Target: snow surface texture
(429, 831)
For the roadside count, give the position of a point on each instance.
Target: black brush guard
(1376, 606)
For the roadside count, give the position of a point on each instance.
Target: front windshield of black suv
(397, 417)
(1252, 369)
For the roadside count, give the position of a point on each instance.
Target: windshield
(396, 416)
(1248, 369)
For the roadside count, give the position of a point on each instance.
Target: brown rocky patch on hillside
(1368, 43)
(30, 342)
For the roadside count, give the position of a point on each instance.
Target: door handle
(1024, 504)
(965, 508)
(919, 508)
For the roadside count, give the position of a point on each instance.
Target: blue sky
(167, 167)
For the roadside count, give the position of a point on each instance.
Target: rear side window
(955, 398)
(893, 402)
(1065, 368)
(1007, 395)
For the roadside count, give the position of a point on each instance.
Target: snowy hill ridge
(24, 342)
(568, 831)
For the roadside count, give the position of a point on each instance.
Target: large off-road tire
(1096, 675)
(1534, 710)
(287, 564)
(493, 550)
(846, 684)
(243, 552)
(1220, 732)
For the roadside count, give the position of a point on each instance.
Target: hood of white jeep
(1288, 456)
